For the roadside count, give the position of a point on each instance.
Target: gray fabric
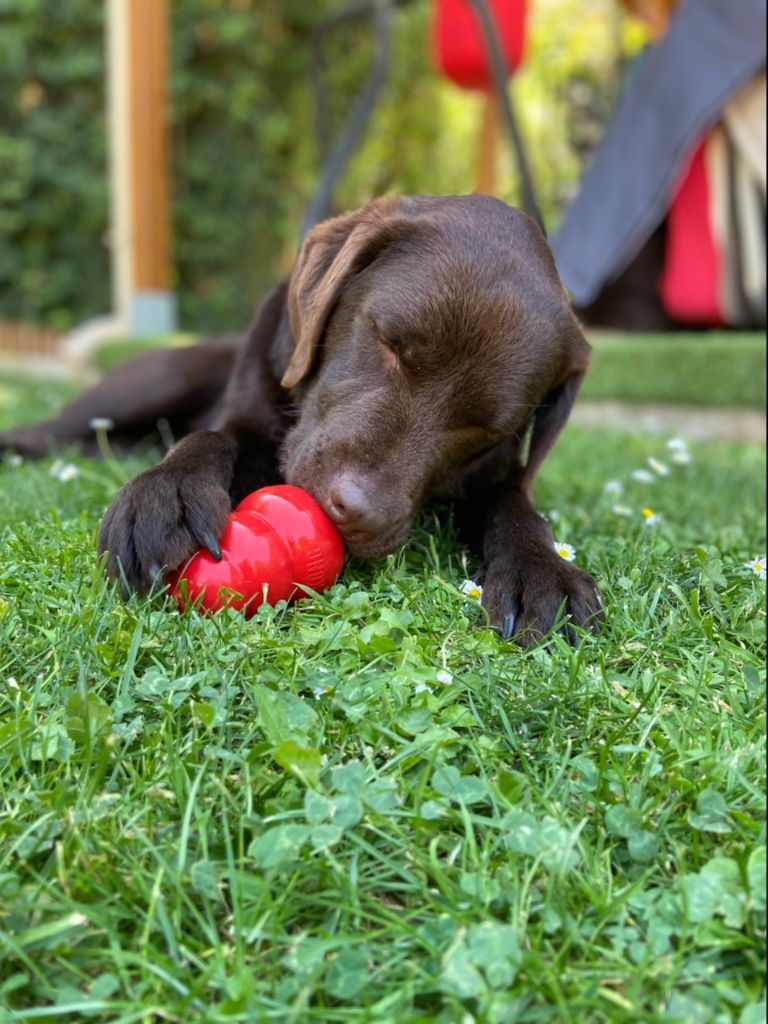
(711, 49)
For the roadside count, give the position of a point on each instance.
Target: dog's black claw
(156, 577)
(213, 546)
(509, 618)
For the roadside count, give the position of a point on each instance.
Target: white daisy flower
(15, 460)
(101, 423)
(757, 565)
(622, 510)
(421, 687)
(67, 473)
(471, 589)
(677, 444)
(681, 457)
(650, 518)
(659, 468)
(444, 677)
(643, 476)
(614, 488)
(565, 551)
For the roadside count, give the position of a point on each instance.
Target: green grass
(368, 807)
(709, 369)
(107, 356)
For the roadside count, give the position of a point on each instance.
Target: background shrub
(245, 152)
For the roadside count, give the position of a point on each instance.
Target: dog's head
(429, 332)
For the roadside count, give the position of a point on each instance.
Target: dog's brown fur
(417, 344)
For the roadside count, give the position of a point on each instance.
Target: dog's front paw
(157, 521)
(526, 600)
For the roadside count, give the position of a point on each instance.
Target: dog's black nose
(352, 511)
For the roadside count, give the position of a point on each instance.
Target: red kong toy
(276, 541)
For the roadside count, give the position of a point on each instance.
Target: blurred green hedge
(244, 149)
(53, 190)
(245, 152)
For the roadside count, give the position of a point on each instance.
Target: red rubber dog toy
(276, 541)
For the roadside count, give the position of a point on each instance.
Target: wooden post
(139, 178)
(140, 164)
(148, 59)
(487, 146)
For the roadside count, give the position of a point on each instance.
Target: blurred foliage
(53, 187)
(245, 147)
(578, 56)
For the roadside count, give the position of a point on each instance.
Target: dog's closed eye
(388, 348)
(470, 441)
(390, 355)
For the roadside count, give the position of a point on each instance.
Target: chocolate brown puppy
(420, 346)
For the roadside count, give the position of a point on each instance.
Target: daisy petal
(659, 468)
(566, 551)
(67, 472)
(757, 565)
(643, 476)
(681, 458)
(101, 423)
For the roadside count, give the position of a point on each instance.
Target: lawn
(706, 369)
(367, 806)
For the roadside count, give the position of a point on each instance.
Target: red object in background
(690, 279)
(276, 541)
(460, 45)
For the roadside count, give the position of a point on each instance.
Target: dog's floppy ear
(553, 412)
(332, 254)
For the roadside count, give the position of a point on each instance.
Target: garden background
(368, 806)
(244, 147)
